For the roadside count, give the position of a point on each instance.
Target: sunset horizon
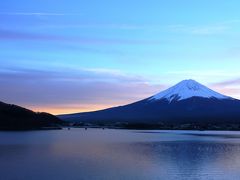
(62, 109)
(81, 56)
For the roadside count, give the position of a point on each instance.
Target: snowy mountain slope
(187, 89)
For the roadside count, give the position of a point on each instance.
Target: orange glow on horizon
(69, 110)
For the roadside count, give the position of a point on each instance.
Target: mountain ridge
(172, 109)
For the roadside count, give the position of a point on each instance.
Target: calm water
(119, 154)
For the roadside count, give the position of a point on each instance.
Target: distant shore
(143, 126)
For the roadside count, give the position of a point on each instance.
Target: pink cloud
(230, 87)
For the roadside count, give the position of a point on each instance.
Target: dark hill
(14, 117)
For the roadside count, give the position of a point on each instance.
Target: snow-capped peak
(187, 89)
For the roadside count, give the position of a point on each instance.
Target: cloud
(17, 35)
(206, 29)
(95, 26)
(51, 23)
(78, 89)
(37, 14)
(199, 72)
(229, 82)
(229, 87)
(200, 30)
(67, 24)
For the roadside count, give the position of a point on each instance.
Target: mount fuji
(188, 104)
(187, 89)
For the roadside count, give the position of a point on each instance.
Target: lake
(119, 154)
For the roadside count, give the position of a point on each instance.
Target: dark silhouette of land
(14, 117)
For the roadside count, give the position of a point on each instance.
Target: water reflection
(118, 154)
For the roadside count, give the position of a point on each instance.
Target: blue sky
(68, 56)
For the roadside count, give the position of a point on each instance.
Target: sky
(64, 56)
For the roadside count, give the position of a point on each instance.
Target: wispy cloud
(95, 26)
(205, 29)
(18, 35)
(200, 30)
(203, 73)
(37, 14)
(229, 82)
(73, 88)
(229, 87)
